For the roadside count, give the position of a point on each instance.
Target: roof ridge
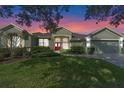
(15, 26)
(94, 32)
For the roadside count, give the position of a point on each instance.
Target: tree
(6, 11)
(12, 41)
(113, 13)
(47, 16)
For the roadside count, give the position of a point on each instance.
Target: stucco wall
(105, 34)
(80, 43)
(25, 43)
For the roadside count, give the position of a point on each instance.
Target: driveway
(117, 59)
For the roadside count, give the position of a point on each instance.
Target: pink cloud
(34, 28)
(71, 23)
(82, 26)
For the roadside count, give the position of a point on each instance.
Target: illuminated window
(44, 42)
(65, 43)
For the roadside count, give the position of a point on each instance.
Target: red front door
(57, 46)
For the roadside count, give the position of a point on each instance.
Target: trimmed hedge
(79, 50)
(91, 50)
(74, 50)
(4, 53)
(15, 52)
(19, 52)
(39, 51)
(65, 51)
(122, 50)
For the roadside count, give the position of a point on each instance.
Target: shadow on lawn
(77, 72)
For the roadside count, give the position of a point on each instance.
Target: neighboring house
(104, 40)
(14, 36)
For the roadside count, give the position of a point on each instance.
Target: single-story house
(104, 40)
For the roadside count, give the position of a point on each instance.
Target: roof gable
(63, 31)
(105, 29)
(13, 26)
(105, 33)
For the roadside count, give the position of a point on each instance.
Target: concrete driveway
(117, 59)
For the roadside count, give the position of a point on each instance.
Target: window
(44, 42)
(65, 43)
(40, 42)
(56, 44)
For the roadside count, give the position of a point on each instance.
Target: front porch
(61, 42)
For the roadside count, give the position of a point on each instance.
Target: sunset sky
(73, 21)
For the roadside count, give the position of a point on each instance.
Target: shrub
(66, 51)
(27, 52)
(75, 50)
(19, 52)
(122, 50)
(91, 50)
(37, 52)
(39, 49)
(4, 53)
(39, 55)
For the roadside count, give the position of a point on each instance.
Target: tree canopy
(48, 16)
(113, 13)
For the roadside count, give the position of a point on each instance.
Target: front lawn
(61, 72)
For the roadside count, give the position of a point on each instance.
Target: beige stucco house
(104, 40)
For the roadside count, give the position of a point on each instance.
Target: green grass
(61, 72)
